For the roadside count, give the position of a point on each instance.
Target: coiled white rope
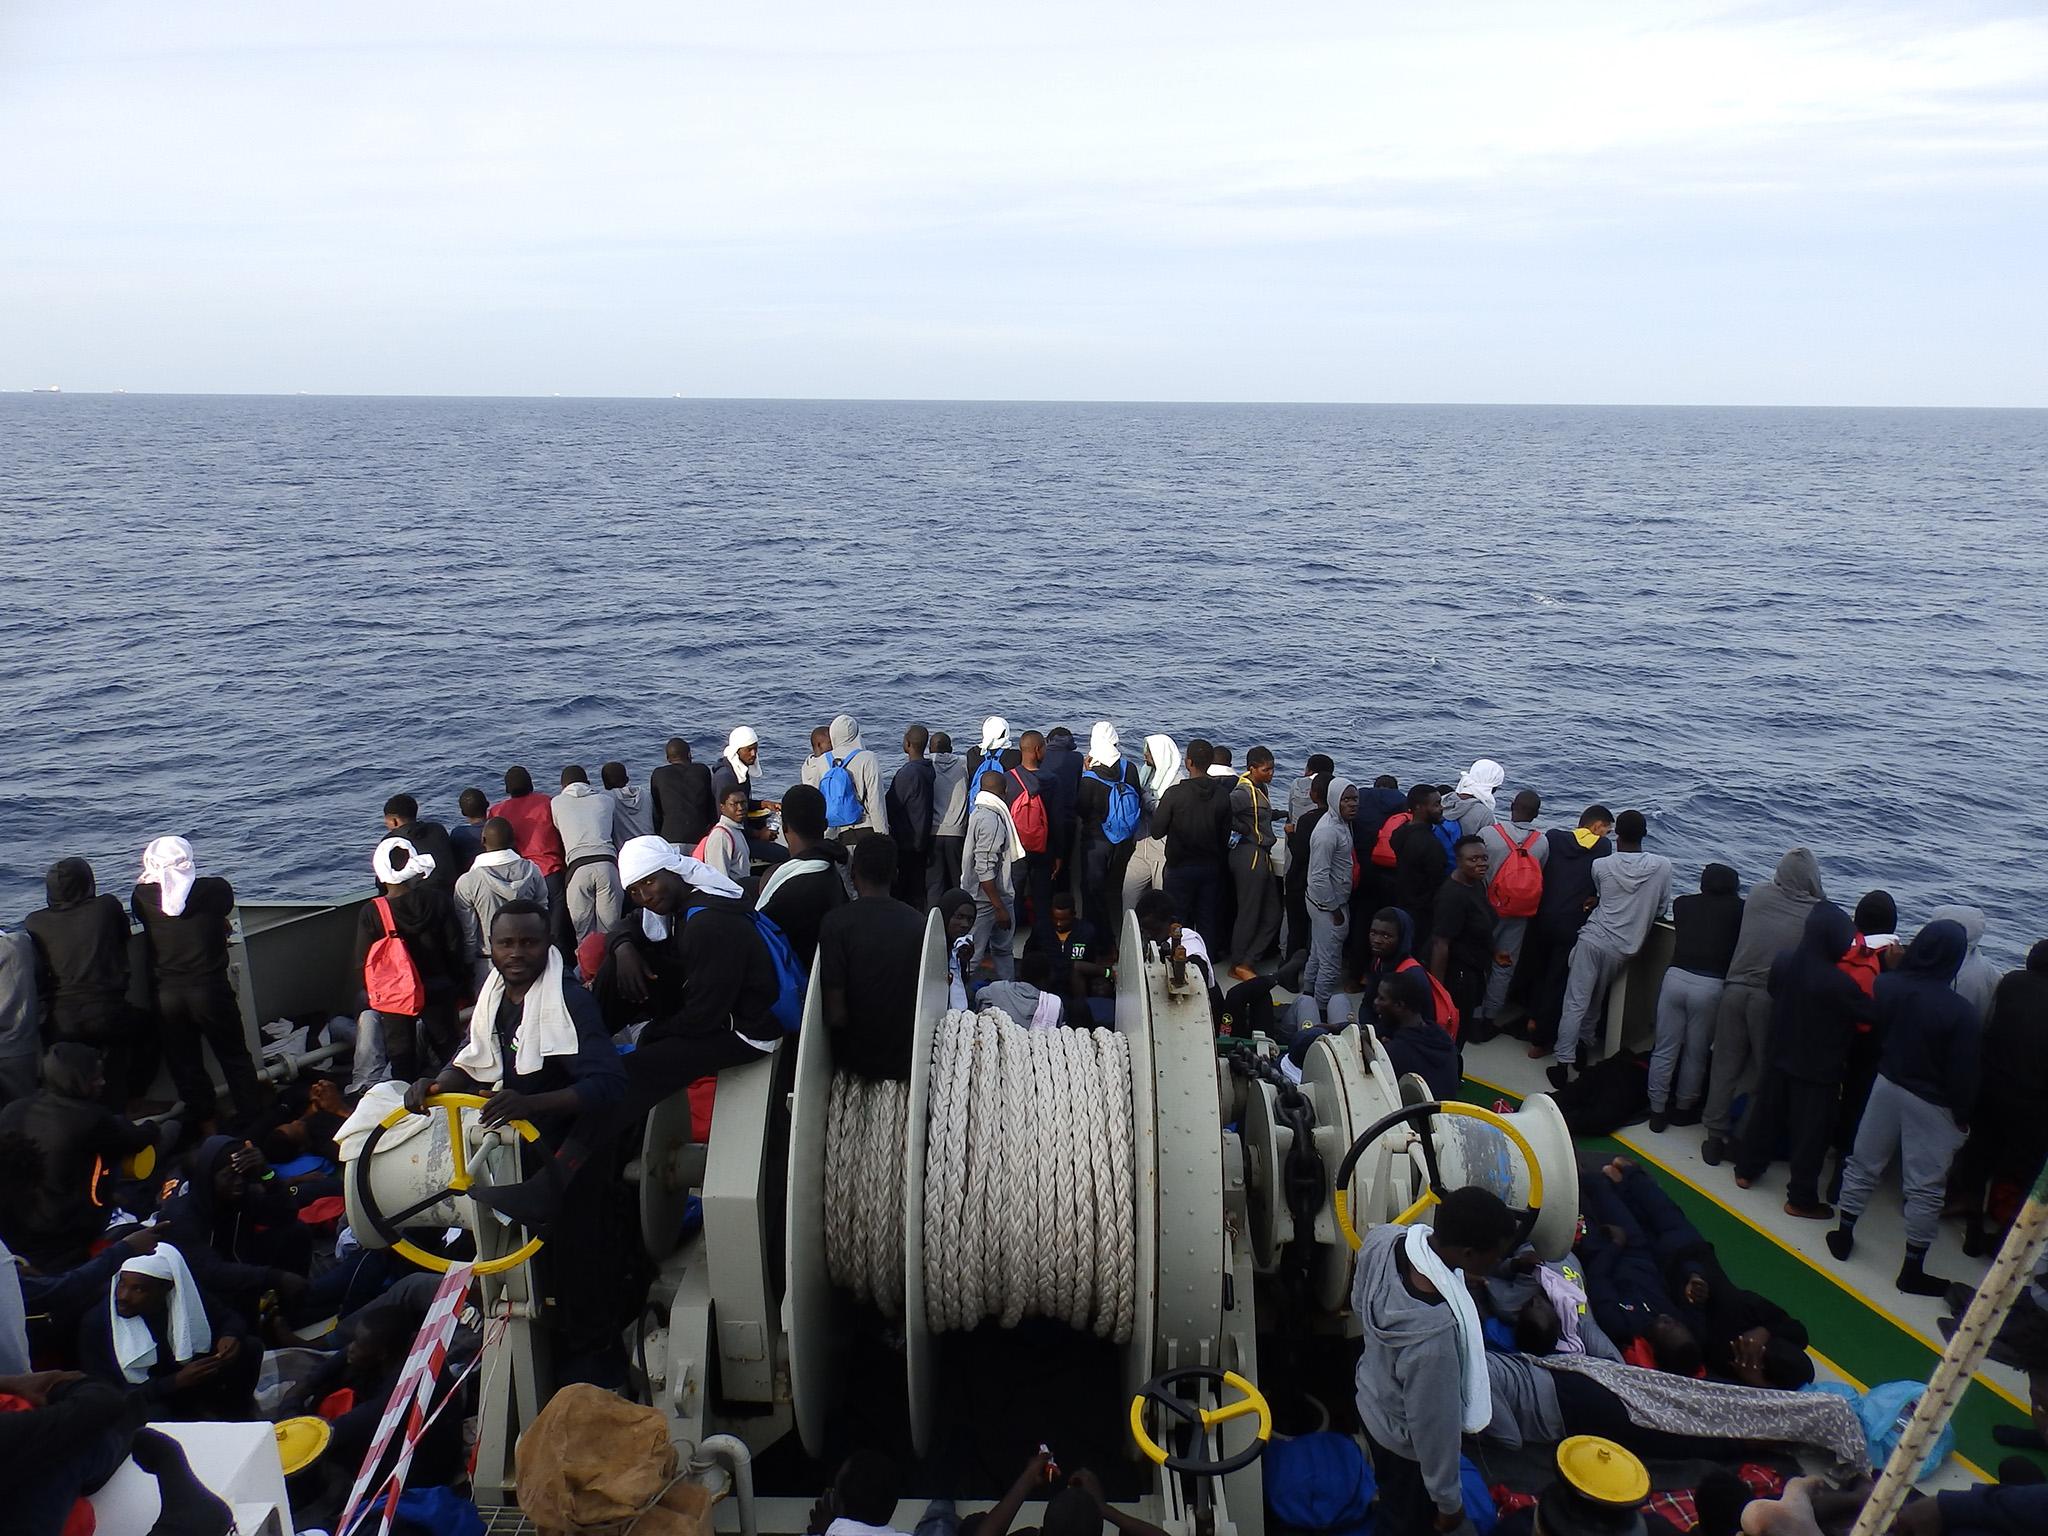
(1028, 1202)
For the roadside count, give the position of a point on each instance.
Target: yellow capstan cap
(1603, 1472)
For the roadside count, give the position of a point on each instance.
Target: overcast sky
(1668, 202)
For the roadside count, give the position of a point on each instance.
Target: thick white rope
(1028, 1200)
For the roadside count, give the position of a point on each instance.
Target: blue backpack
(843, 807)
(1125, 808)
(790, 981)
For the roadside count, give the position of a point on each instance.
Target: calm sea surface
(249, 620)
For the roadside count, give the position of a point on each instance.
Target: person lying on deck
(1648, 1267)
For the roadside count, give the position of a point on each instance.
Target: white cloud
(987, 186)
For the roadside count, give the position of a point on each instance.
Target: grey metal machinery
(1233, 1171)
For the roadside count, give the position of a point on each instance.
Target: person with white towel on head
(1108, 781)
(185, 921)
(158, 1336)
(687, 959)
(392, 1042)
(1146, 870)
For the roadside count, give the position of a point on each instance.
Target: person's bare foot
(1617, 1168)
(1790, 1515)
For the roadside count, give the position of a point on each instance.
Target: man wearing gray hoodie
(849, 752)
(494, 877)
(1415, 1380)
(1978, 979)
(1631, 888)
(950, 800)
(1773, 919)
(583, 816)
(632, 816)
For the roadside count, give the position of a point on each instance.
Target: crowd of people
(581, 956)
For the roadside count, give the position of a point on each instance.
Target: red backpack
(1383, 845)
(1517, 886)
(1447, 1016)
(1034, 830)
(390, 978)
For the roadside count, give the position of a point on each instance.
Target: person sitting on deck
(183, 1352)
(687, 957)
(538, 1046)
(54, 1203)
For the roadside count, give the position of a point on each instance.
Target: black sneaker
(1659, 1122)
(1559, 1074)
(1689, 1114)
(1712, 1150)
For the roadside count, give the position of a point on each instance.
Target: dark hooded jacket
(1568, 889)
(1193, 819)
(1375, 805)
(425, 918)
(1707, 924)
(1059, 780)
(81, 1140)
(81, 957)
(1815, 1006)
(1931, 1032)
(224, 1245)
(2010, 1107)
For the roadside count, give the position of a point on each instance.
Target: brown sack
(593, 1464)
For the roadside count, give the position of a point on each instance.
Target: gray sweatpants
(1146, 871)
(1686, 1005)
(1324, 972)
(595, 899)
(1742, 1031)
(1507, 940)
(1925, 1137)
(994, 940)
(1593, 969)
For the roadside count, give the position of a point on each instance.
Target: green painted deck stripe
(1856, 1340)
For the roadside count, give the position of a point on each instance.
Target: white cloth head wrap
(167, 863)
(545, 1028)
(741, 738)
(1103, 746)
(1166, 768)
(416, 865)
(995, 734)
(642, 856)
(1481, 780)
(190, 1333)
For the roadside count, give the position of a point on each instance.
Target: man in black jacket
(683, 807)
(1193, 820)
(53, 1218)
(1568, 900)
(81, 941)
(402, 819)
(687, 958)
(909, 804)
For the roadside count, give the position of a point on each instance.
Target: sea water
(249, 620)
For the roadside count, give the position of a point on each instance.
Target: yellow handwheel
(1159, 1390)
(388, 1227)
(1415, 1114)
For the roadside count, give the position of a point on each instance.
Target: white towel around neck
(1476, 1390)
(190, 1333)
(983, 800)
(545, 1028)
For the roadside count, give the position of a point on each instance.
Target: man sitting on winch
(539, 1050)
(687, 959)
